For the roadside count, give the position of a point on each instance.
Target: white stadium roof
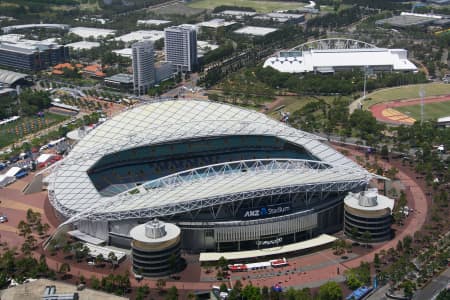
(328, 54)
(73, 194)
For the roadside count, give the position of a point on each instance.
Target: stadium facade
(336, 54)
(230, 178)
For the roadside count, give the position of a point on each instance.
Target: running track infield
(386, 112)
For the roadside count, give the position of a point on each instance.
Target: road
(434, 287)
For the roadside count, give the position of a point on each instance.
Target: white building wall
(180, 44)
(143, 66)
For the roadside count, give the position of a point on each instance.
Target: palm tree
(99, 259)
(160, 284)
(24, 228)
(65, 267)
(366, 237)
(112, 258)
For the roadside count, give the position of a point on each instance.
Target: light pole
(422, 95)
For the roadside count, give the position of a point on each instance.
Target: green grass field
(14, 131)
(293, 103)
(431, 110)
(406, 92)
(259, 6)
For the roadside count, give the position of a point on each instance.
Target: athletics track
(386, 112)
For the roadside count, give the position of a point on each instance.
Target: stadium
(231, 178)
(336, 54)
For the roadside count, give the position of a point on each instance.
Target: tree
(99, 259)
(24, 228)
(223, 287)
(366, 237)
(32, 241)
(444, 295)
(354, 232)
(376, 261)
(385, 152)
(330, 291)
(191, 296)
(408, 288)
(173, 261)
(238, 286)
(64, 269)
(95, 282)
(222, 263)
(112, 258)
(172, 293)
(160, 284)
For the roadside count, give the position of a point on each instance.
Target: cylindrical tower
(367, 216)
(155, 248)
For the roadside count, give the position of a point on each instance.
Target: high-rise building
(143, 66)
(180, 44)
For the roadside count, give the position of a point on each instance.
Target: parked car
(3, 219)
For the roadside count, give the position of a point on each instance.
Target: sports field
(431, 110)
(406, 92)
(259, 6)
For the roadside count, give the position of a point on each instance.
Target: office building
(181, 47)
(32, 55)
(143, 66)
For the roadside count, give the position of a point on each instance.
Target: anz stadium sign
(266, 211)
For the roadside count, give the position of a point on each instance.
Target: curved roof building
(331, 55)
(210, 168)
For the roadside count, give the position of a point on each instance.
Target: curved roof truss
(333, 44)
(210, 186)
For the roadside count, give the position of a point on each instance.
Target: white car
(3, 219)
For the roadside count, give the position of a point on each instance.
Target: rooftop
(11, 37)
(155, 232)
(152, 22)
(237, 13)
(9, 77)
(257, 31)
(96, 33)
(215, 23)
(83, 45)
(152, 35)
(407, 20)
(311, 60)
(121, 77)
(71, 190)
(126, 52)
(369, 200)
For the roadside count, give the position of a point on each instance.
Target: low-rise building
(32, 55)
(255, 30)
(120, 82)
(282, 17)
(163, 71)
(92, 32)
(152, 22)
(368, 216)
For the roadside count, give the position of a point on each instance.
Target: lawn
(431, 110)
(406, 92)
(14, 131)
(293, 103)
(259, 6)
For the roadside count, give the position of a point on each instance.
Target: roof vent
(155, 229)
(368, 198)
